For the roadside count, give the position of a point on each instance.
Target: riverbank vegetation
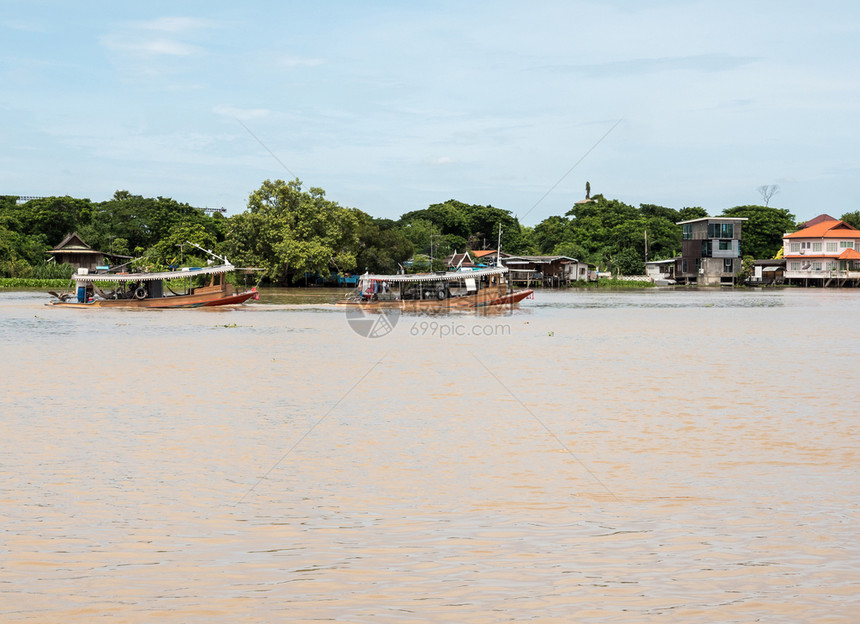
(16, 283)
(291, 233)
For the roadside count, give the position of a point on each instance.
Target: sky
(393, 106)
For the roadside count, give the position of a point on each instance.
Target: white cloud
(175, 24)
(165, 36)
(147, 47)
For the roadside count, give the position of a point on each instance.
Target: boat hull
(509, 299)
(483, 299)
(176, 301)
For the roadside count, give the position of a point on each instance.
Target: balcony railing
(812, 274)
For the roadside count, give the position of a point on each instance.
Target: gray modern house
(710, 251)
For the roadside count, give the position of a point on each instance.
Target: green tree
(144, 223)
(653, 211)
(569, 249)
(628, 262)
(419, 231)
(552, 232)
(171, 250)
(852, 218)
(382, 245)
(20, 253)
(690, 213)
(54, 217)
(463, 226)
(291, 232)
(604, 227)
(764, 229)
(747, 267)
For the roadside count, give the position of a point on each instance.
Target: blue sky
(392, 106)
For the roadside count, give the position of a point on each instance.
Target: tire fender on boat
(140, 292)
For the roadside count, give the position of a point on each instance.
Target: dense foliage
(764, 229)
(611, 234)
(292, 233)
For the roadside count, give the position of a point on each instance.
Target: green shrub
(9, 283)
(50, 270)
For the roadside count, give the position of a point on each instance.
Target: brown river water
(656, 456)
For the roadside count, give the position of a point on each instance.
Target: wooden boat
(166, 289)
(435, 291)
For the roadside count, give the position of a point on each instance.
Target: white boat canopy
(150, 277)
(435, 277)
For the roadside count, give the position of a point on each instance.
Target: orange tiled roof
(827, 229)
(850, 254)
(483, 252)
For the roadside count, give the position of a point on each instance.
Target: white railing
(811, 274)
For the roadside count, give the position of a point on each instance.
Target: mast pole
(499, 257)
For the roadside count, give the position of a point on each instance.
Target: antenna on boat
(214, 255)
(499, 257)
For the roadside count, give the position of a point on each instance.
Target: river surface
(645, 456)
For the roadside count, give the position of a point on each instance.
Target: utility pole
(432, 236)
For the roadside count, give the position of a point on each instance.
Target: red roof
(827, 229)
(818, 219)
(850, 254)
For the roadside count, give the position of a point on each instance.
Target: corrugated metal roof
(538, 259)
(436, 277)
(150, 277)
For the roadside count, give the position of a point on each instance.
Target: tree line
(292, 232)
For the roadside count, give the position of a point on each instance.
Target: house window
(846, 244)
(687, 230)
(805, 245)
(728, 265)
(725, 245)
(706, 248)
(831, 246)
(721, 230)
(816, 266)
(795, 266)
(683, 266)
(795, 247)
(816, 246)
